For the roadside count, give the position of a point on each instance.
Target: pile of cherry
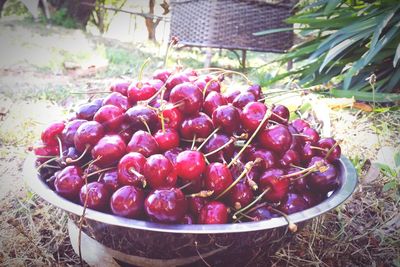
(176, 149)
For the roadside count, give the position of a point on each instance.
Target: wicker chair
(230, 24)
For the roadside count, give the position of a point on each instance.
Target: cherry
(139, 116)
(293, 203)
(277, 138)
(120, 87)
(227, 118)
(252, 115)
(68, 133)
(116, 99)
(298, 182)
(190, 164)
(130, 169)
(280, 114)
(51, 132)
(255, 89)
(310, 135)
(45, 151)
(195, 205)
(175, 80)
(172, 154)
(161, 75)
(87, 111)
(215, 142)
(110, 180)
(172, 116)
(167, 139)
(278, 187)
(111, 117)
(307, 153)
(240, 195)
(213, 85)
(128, 201)
(144, 143)
(159, 172)
(125, 131)
(323, 182)
(156, 83)
(300, 124)
(312, 199)
(212, 101)
(214, 212)
(188, 97)
(95, 195)
(199, 125)
(166, 205)
(231, 94)
(262, 213)
(68, 182)
(290, 157)
(109, 150)
(243, 99)
(267, 158)
(328, 144)
(87, 135)
(140, 92)
(217, 177)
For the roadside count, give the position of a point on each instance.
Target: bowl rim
(348, 178)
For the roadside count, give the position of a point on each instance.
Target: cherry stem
(221, 147)
(146, 125)
(203, 194)
(238, 73)
(208, 138)
(100, 171)
(242, 136)
(207, 85)
(69, 160)
(234, 216)
(251, 183)
(91, 162)
(251, 210)
(51, 167)
(44, 157)
(247, 168)
(319, 148)
(331, 149)
(291, 226)
(193, 142)
(171, 44)
(139, 175)
(142, 68)
(301, 135)
(266, 117)
(45, 163)
(279, 117)
(190, 141)
(185, 185)
(51, 179)
(297, 167)
(60, 146)
(317, 166)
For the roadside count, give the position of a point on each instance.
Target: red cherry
(300, 124)
(231, 94)
(312, 199)
(128, 168)
(213, 86)
(67, 135)
(87, 135)
(215, 142)
(280, 114)
(175, 80)
(252, 115)
(262, 213)
(109, 150)
(161, 75)
(172, 154)
(267, 158)
(120, 87)
(278, 187)
(159, 172)
(110, 180)
(306, 153)
(68, 182)
(310, 135)
(243, 99)
(190, 164)
(195, 205)
(51, 132)
(167, 139)
(255, 89)
(240, 195)
(217, 177)
(188, 97)
(95, 195)
(46, 151)
(140, 92)
(327, 144)
(116, 99)
(128, 201)
(226, 117)
(87, 111)
(277, 138)
(166, 205)
(323, 182)
(144, 143)
(214, 212)
(199, 125)
(138, 116)
(293, 203)
(172, 116)
(290, 157)
(212, 101)
(111, 117)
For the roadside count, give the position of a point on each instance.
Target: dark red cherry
(307, 153)
(231, 94)
(214, 212)
(195, 205)
(214, 143)
(212, 85)
(176, 79)
(327, 144)
(172, 154)
(217, 177)
(190, 164)
(252, 115)
(262, 213)
(68, 182)
(268, 158)
(87, 135)
(161, 75)
(51, 132)
(243, 99)
(67, 135)
(290, 157)
(300, 124)
(138, 116)
(129, 167)
(227, 118)
(110, 180)
(312, 199)
(156, 83)
(212, 101)
(159, 172)
(87, 111)
(120, 87)
(255, 89)
(277, 138)
(240, 195)
(187, 97)
(310, 135)
(199, 125)
(166, 205)
(144, 143)
(125, 131)
(95, 195)
(167, 139)
(190, 72)
(46, 151)
(293, 203)
(172, 116)
(278, 187)
(280, 114)
(140, 92)
(109, 150)
(116, 99)
(128, 201)
(111, 117)
(323, 182)
(298, 182)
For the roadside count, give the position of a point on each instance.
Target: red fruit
(310, 135)
(128, 201)
(267, 158)
(116, 99)
(323, 182)
(243, 99)
(290, 157)
(214, 212)
(300, 124)
(144, 143)
(212, 101)
(190, 164)
(111, 117)
(255, 89)
(167, 139)
(195, 205)
(120, 87)
(240, 195)
(68, 182)
(215, 142)
(199, 125)
(217, 177)
(188, 97)
(172, 116)
(172, 154)
(277, 138)
(159, 172)
(231, 94)
(252, 115)
(109, 150)
(140, 92)
(213, 86)
(95, 195)
(110, 180)
(262, 213)
(176, 79)
(280, 114)
(67, 135)
(138, 116)
(278, 187)
(87, 111)
(43, 150)
(327, 144)
(161, 75)
(226, 117)
(187, 219)
(293, 203)
(51, 132)
(87, 135)
(129, 166)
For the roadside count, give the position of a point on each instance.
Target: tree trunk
(2, 2)
(150, 22)
(80, 12)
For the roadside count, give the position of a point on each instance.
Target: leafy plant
(62, 18)
(352, 47)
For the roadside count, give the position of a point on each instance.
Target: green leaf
(389, 186)
(396, 56)
(272, 31)
(384, 19)
(397, 159)
(365, 96)
(331, 5)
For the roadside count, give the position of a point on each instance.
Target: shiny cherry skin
(310, 135)
(68, 182)
(240, 195)
(110, 180)
(243, 99)
(95, 195)
(88, 134)
(227, 118)
(290, 157)
(212, 101)
(120, 87)
(278, 187)
(327, 144)
(214, 212)
(267, 158)
(307, 153)
(280, 114)
(140, 92)
(172, 116)
(128, 201)
(167, 139)
(109, 150)
(172, 154)
(51, 132)
(300, 124)
(293, 203)
(190, 164)
(188, 97)
(144, 143)
(125, 131)
(199, 125)
(68, 133)
(175, 80)
(312, 199)
(116, 99)
(44, 150)
(217, 177)
(276, 138)
(195, 204)
(212, 85)
(161, 74)
(111, 117)
(255, 89)
(298, 182)
(87, 111)
(166, 205)
(159, 172)
(252, 115)
(230, 94)
(262, 213)
(323, 182)
(215, 142)
(140, 115)
(128, 167)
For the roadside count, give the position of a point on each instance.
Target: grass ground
(35, 88)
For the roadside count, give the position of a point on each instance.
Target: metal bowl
(161, 244)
